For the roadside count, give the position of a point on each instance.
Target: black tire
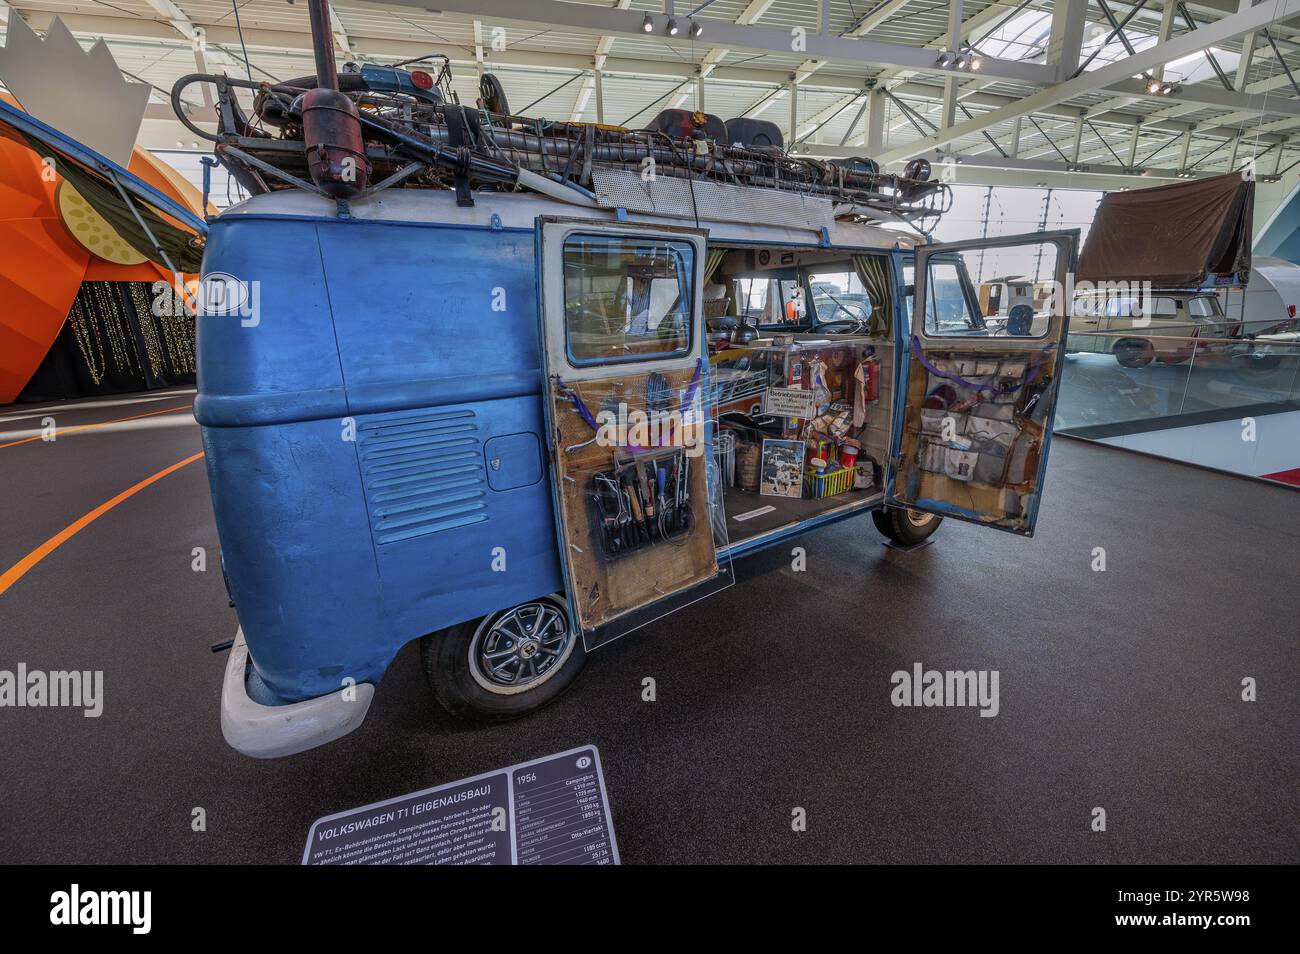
(1134, 352)
(454, 663)
(907, 528)
(1259, 362)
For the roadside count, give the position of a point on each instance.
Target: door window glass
(1027, 304)
(626, 299)
(947, 307)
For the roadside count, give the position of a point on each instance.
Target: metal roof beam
(1229, 28)
(584, 18)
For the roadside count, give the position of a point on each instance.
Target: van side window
(764, 299)
(1164, 308)
(627, 299)
(755, 299)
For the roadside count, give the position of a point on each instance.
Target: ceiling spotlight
(946, 59)
(963, 62)
(648, 24)
(1159, 88)
(696, 29)
(976, 62)
(672, 27)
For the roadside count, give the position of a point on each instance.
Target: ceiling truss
(842, 78)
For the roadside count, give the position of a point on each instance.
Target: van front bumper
(268, 732)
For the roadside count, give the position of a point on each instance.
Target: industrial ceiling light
(963, 62)
(976, 61)
(946, 59)
(1159, 88)
(696, 29)
(648, 24)
(672, 27)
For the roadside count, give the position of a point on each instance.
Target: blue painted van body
(373, 439)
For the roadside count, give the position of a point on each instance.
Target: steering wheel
(846, 326)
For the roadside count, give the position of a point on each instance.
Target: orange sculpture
(50, 242)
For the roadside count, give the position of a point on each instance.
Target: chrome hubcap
(917, 518)
(520, 648)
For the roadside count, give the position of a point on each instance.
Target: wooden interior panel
(1002, 504)
(605, 588)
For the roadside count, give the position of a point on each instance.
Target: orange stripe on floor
(59, 432)
(19, 569)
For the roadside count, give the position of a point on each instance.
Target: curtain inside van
(873, 272)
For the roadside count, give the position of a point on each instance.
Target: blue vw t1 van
(538, 388)
(406, 443)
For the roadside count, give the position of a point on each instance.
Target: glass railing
(1124, 386)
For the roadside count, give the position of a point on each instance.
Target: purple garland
(957, 378)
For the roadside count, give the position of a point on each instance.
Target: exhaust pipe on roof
(331, 124)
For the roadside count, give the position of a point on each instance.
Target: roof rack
(418, 136)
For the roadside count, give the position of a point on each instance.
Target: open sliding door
(980, 389)
(631, 442)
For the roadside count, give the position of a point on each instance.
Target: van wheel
(905, 527)
(1259, 362)
(506, 664)
(1134, 353)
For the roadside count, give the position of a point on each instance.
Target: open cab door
(979, 391)
(626, 401)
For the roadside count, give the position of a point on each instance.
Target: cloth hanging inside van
(1174, 236)
(711, 262)
(873, 272)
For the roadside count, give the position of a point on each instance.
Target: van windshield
(839, 295)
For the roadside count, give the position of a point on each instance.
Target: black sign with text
(550, 811)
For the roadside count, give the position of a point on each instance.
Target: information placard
(550, 811)
(789, 402)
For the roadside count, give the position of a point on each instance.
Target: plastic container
(830, 483)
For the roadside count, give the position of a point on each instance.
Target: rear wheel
(506, 664)
(1134, 352)
(905, 527)
(1255, 361)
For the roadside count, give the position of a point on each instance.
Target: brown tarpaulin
(1172, 236)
